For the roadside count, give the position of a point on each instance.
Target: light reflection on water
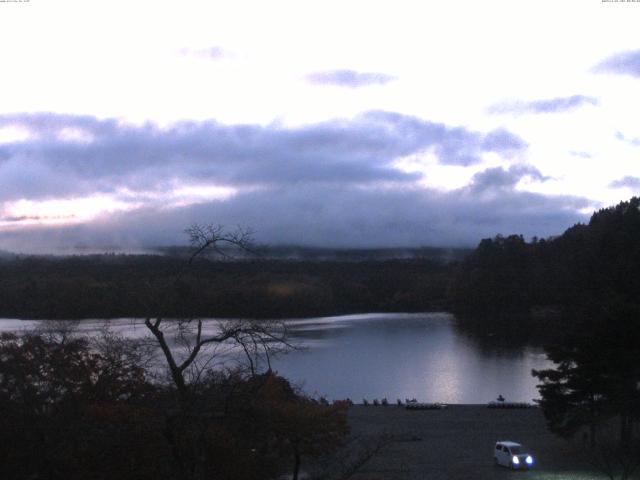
(385, 355)
(406, 355)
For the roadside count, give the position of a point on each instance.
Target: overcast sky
(332, 123)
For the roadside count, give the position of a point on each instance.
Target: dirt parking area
(457, 443)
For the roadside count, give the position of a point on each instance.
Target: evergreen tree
(597, 376)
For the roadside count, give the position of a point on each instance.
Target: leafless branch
(259, 340)
(214, 237)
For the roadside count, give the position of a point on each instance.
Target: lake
(423, 356)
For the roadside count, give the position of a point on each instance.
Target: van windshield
(515, 450)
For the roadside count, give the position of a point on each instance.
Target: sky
(333, 123)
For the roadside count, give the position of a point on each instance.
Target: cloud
(330, 183)
(580, 154)
(452, 145)
(623, 63)
(211, 53)
(499, 178)
(503, 141)
(631, 141)
(627, 181)
(553, 105)
(334, 216)
(112, 156)
(349, 78)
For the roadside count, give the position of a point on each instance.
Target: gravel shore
(457, 443)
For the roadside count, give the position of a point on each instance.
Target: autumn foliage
(69, 410)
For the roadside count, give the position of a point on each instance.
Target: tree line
(586, 283)
(115, 286)
(507, 277)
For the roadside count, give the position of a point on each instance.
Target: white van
(512, 455)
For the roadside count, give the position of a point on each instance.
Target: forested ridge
(505, 277)
(542, 282)
(111, 286)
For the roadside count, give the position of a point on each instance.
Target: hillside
(508, 277)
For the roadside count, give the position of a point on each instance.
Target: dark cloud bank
(327, 184)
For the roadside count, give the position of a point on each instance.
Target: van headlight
(515, 460)
(529, 460)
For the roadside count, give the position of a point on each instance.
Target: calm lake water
(423, 356)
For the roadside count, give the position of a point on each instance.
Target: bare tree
(189, 345)
(257, 340)
(58, 331)
(218, 240)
